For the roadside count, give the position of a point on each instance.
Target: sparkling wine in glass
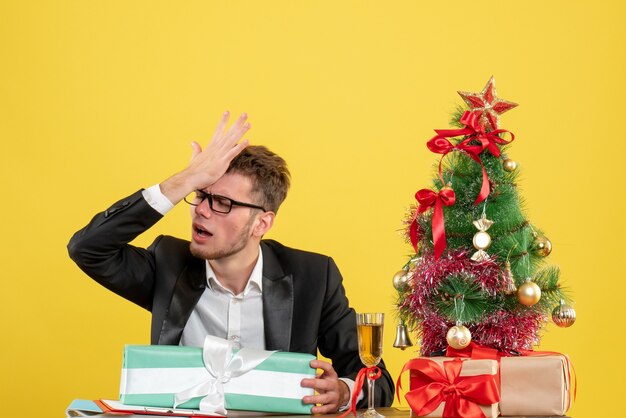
(370, 331)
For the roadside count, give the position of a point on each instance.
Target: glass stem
(370, 394)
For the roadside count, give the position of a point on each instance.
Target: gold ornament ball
(529, 293)
(542, 246)
(400, 280)
(509, 165)
(481, 240)
(564, 316)
(459, 337)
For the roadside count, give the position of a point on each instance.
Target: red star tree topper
(487, 105)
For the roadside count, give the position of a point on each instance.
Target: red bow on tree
(441, 145)
(427, 199)
(474, 130)
(431, 385)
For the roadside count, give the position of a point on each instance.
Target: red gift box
(440, 386)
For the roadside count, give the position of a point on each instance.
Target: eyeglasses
(217, 203)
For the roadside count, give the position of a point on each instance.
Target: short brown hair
(268, 172)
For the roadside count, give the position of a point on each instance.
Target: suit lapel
(189, 286)
(277, 302)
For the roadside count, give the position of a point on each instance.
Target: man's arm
(101, 248)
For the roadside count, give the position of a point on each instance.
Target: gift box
(215, 378)
(470, 386)
(535, 385)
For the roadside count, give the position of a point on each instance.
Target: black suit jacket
(304, 302)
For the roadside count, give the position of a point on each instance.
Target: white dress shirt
(219, 312)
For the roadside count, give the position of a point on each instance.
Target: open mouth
(201, 232)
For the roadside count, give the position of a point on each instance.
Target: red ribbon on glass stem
(427, 199)
(433, 385)
(373, 373)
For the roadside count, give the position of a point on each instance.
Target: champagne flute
(370, 332)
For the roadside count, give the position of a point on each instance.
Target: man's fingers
(327, 386)
(195, 149)
(237, 125)
(237, 131)
(328, 402)
(329, 371)
(221, 126)
(320, 385)
(324, 409)
(236, 150)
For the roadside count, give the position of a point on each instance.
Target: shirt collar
(255, 281)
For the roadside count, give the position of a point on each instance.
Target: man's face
(217, 236)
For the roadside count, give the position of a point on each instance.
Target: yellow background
(101, 98)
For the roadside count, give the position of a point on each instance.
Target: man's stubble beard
(219, 253)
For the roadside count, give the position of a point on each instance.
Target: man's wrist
(178, 186)
(157, 199)
(349, 384)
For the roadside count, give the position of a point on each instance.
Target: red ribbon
(432, 385)
(427, 199)
(474, 130)
(477, 351)
(371, 372)
(441, 145)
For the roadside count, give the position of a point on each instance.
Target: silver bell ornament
(403, 340)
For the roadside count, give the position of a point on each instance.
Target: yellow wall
(100, 98)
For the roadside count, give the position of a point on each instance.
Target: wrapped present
(215, 378)
(535, 385)
(445, 387)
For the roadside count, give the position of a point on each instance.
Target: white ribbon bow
(222, 365)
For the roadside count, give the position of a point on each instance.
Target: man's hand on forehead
(209, 164)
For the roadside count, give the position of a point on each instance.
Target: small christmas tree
(479, 269)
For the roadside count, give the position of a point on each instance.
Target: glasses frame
(233, 202)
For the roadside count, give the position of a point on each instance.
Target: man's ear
(263, 224)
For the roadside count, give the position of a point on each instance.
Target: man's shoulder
(283, 251)
(169, 246)
(279, 258)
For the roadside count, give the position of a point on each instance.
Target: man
(227, 281)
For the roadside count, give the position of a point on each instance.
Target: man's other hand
(332, 393)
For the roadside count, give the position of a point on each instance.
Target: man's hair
(268, 172)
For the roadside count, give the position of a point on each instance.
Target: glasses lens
(194, 198)
(221, 204)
